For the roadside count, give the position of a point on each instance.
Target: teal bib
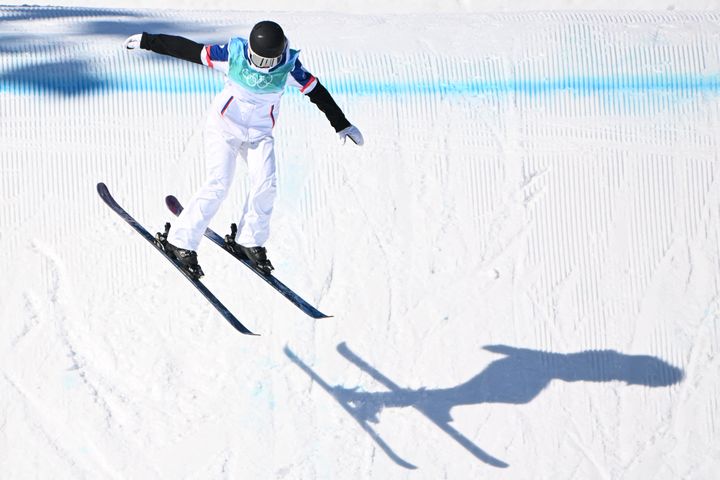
(243, 74)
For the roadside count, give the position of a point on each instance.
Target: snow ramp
(522, 261)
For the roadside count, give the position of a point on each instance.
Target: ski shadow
(516, 378)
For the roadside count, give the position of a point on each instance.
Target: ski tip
(104, 193)
(173, 204)
(242, 328)
(315, 313)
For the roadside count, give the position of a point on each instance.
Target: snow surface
(522, 261)
(377, 7)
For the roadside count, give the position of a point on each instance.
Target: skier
(240, 122)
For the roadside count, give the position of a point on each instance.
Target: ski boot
(186, 258)
(257, 256)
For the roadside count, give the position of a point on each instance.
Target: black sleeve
(321, 97)
(172, 45)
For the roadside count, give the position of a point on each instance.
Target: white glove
(133, 42)
(353, 133)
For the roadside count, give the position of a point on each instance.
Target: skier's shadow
(516, 378)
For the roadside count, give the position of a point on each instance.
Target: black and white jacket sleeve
(318, 94)
(175, 46)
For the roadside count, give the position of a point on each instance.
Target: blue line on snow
(534, 87)
(78, 83)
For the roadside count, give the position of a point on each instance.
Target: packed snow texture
(380, 7)
(522, 261)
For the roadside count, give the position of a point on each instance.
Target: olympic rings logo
(256, 80)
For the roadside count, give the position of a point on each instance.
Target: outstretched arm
(318, 94)
(172, 45)
(324, 101)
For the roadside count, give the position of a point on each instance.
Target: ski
(110, 201)
(176, 208)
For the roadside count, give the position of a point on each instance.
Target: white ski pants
(222, 149)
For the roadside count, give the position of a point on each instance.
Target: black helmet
(267, 44)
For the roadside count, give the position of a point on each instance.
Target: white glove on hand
(133, 42)
(353, 133)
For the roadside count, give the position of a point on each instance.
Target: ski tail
(114, 206)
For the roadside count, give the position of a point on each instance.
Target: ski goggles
(263, 62)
